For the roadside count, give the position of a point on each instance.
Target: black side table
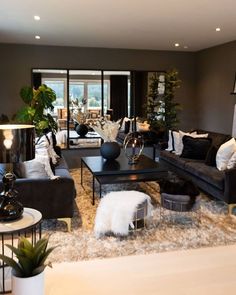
(29, 225)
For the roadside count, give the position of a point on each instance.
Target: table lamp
(16, 145)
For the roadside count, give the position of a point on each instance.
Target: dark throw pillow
(195, 148)
(217, 141)
(211, 156)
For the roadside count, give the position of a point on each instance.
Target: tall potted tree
(28, 272)
(162, 109)
(37, 102)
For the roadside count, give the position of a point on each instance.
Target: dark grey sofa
(53, 198)
(219, 184)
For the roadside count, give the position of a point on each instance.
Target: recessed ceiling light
(37, 17)
(37, 37)
(176, 44)
(217, 29)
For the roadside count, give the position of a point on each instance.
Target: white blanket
(116, 211)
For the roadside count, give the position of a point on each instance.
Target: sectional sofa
(219, 184)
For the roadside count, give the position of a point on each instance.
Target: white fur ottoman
(120, 211)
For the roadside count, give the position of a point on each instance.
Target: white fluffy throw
(116, 210)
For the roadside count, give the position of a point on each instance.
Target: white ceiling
(134, 24)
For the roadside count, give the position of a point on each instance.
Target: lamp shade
(16, 143)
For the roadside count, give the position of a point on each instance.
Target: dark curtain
(119, 96)
(37, 80)
(140, 92)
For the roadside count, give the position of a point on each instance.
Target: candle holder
(133, 145)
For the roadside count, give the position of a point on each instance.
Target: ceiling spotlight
(217, 29)
(176, 44)
(37, 17)
(37, 37)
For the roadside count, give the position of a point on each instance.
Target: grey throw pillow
(31, 169)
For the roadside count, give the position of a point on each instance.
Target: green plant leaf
(26, 94)
(45, 255)
(12, 263)
(25, 244)
(38, 270)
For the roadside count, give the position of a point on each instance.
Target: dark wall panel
(216, 69)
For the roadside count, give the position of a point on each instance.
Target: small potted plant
(28, 272)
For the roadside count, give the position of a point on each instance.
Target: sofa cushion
(30, 169)
(217, 140)
(173, 159)
(224, 153)
(206, 173)
(195, 148)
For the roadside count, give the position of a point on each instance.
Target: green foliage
(31, 259)
(162, 110)
(35, 111)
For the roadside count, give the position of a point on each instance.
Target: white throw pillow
(43, 153)
(195, 135)
(31, 169)
(224, 154)
(176, 142)
(52, 154)
(170, 142)
(232, 161)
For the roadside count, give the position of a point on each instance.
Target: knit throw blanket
(116, 211)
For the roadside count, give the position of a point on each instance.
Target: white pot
(28, 286)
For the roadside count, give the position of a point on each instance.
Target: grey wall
(216, 69)
(18, 60)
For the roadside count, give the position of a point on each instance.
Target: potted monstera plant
(35, 111)
(28, 271)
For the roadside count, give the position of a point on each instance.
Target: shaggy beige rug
(209, 226)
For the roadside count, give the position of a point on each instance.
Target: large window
(59, 86)
(91, 94)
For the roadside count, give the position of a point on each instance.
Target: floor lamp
(16, 145)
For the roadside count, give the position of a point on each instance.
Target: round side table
(29, 225)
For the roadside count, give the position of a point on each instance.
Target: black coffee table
(120, 171)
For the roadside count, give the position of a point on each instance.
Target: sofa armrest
(53, 198)
(161, 145)
(230, 186)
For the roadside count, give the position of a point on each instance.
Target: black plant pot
(81, 129)
(110, 150)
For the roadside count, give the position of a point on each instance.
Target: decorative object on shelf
(133, 145)
(34, 112)
(110, 150)
(28, 272)
(16, 145)
(81, 129)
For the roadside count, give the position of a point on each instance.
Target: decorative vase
(81, 129)
(28, 286)
(133, 145)
(110, 150)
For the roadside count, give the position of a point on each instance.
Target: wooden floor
(201, 271)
